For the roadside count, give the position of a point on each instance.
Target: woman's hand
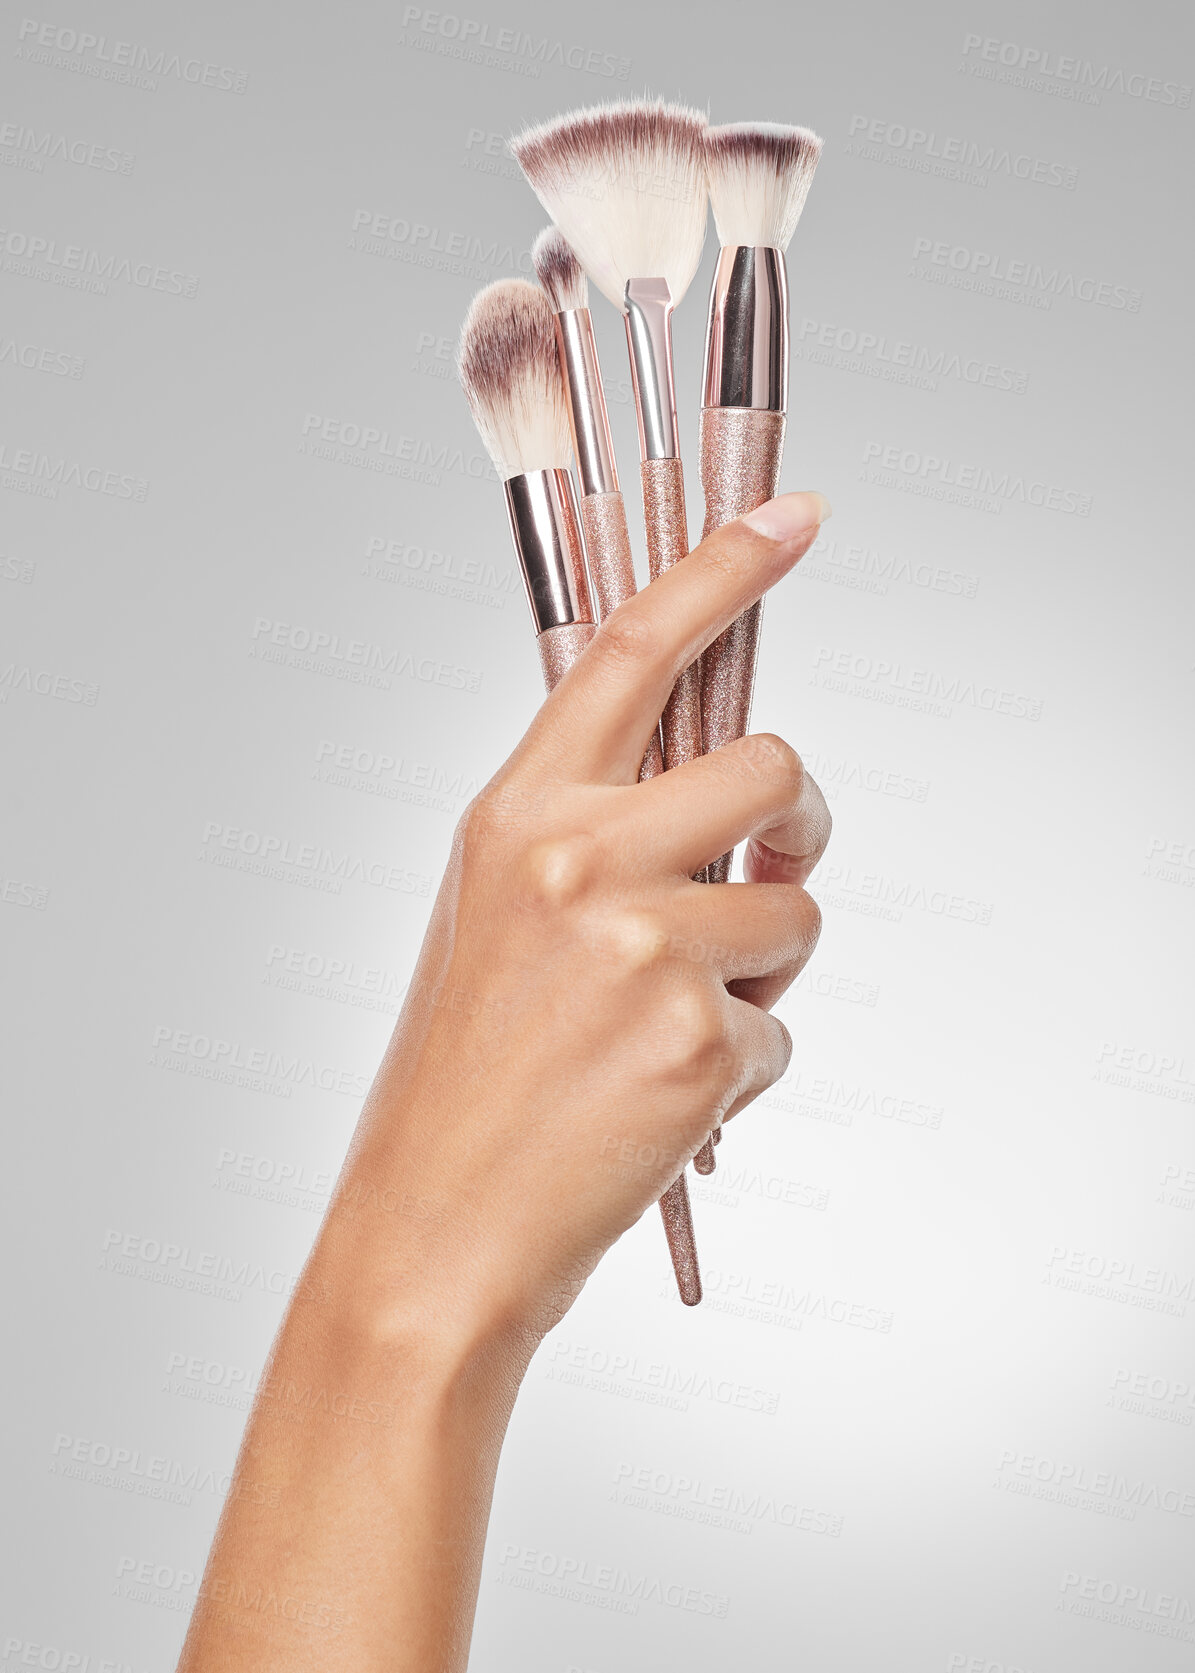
(581, 1016)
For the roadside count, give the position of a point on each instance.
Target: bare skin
(577, 999)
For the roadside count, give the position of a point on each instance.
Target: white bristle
(559, 271)
(759, 175)
(510, 371)
(625, 183)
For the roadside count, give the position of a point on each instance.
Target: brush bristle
(625, 183)
(759, 175)
(510, 372)
(559, 271)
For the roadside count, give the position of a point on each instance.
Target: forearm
(354, 1528)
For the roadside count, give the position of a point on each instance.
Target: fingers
(789, 853)
(753, 786)
(760, 1047)
(599, 718)
(768, 990)
(744, 930)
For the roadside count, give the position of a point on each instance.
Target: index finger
(596, 724)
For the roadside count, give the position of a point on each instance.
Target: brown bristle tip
(759, 176)
(625, 183)
(510, 372)
(596, 132)
(559, 271)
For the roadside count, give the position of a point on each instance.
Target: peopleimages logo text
(77, 266)
(28, 463)
(891, 682)
(420, 236)
(18, 141)
(469, 35)
(922, 146)
(985, 267)
(1083, 72)
(127, 55)
(971, 478)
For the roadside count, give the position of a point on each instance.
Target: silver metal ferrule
(746, 343)
(649, 334)
(547, 536)
(596, 470)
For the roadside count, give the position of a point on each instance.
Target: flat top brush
(625, 183)
(759, 175)
(510, 372)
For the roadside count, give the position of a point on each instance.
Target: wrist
(388, 1302)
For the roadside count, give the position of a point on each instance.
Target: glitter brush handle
(612, 575)
(741, 449)
(667, 532)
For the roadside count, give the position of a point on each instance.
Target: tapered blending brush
(759, 175)
(603, 514)
(510, 371)
(625, 183)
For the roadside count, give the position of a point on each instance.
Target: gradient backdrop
(262, 639)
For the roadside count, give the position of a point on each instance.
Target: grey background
(936, 1411)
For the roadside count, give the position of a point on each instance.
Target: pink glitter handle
(741, 449)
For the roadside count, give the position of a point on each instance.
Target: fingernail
(788, 515)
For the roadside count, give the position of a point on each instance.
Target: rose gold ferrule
(746, 342)
(547, 535)
(648, 304)
(592, 444)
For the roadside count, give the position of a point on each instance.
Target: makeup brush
(759, 175)
(625, 183)
(510, 371)
(603, 513)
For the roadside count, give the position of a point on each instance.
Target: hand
(577, 1001)
(582, 1014)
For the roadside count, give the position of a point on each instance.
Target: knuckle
(782, 1052)
(634, 939)
(556, 872)
(729, 556)
(494, 814)
(811, 925)
(623, 640)
(799, 923)
(825, 828)
(776, 761)
(693, 1028)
